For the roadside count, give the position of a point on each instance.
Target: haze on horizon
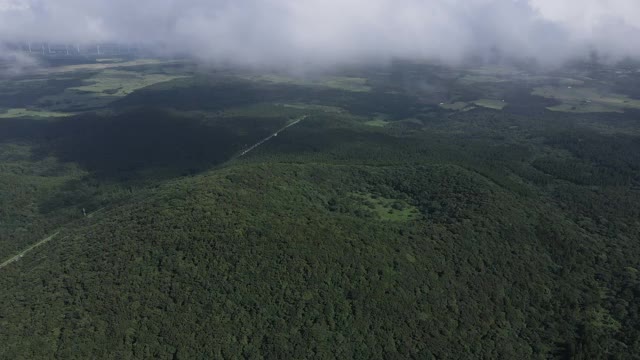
(269, 32)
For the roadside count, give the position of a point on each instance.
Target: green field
(102, 65)
(101, 89)
(22, 112)
(584, 99)
(377, 122)
(467, 106)
(458, 106)
(120, 83)
(491, 104)
(335, 82)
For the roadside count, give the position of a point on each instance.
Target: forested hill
(478, 217)
(325, 261)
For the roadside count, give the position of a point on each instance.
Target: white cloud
(14, 5)
(257, 31)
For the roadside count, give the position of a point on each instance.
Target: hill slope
(284, 260)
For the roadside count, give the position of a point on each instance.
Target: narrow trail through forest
(27, 250)
(51, 237)
(271, 136)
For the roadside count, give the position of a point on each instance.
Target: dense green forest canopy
(406, 211)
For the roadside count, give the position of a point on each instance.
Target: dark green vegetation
(384, 225)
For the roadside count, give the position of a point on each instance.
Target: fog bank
(327, 32)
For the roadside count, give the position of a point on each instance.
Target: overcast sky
(333, 31)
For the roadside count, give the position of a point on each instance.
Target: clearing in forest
(388, 209)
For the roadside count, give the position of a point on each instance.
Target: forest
(472, 218)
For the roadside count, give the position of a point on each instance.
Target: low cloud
(14, 63)
(337, 31)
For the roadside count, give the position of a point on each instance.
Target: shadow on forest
(138, 142)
